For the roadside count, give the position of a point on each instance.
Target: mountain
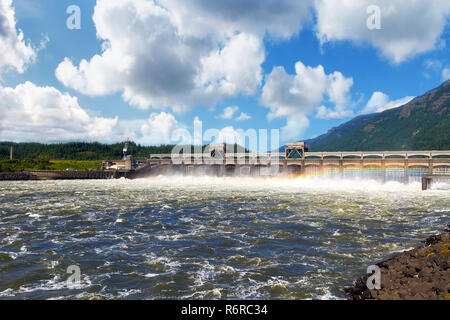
(422, 124)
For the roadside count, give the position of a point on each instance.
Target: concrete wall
(62, 175)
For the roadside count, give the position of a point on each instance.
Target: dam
(427, 167)
(404, 166)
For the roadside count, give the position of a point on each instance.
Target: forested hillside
(78, 151)
(83, 151)
(422, 124)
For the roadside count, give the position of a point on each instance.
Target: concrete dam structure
(404, 166)
(64, 175)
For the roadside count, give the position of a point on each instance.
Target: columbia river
(206, 238)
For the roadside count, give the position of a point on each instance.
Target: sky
(155, 71)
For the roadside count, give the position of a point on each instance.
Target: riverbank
(419, 274)
(24, 175)
(63, 175)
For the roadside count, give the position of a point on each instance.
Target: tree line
(84, 151)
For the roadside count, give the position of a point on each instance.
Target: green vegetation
(75, 165)
(18, 165)
(78, 151)
(28, 164)
(422, 124)
(85, 151)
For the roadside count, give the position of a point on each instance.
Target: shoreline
(62, 175)
(26, 175)
(419, 274)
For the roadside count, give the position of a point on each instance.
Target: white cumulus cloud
(294, 97)
(408, 28)
(446, 74)
(44, 114)
(234, 69)
(178, 54)
(229, 112)
(15, 53)
(243, 117)
(279, 18)
(295, 126)
(159, 129)
(380, 102)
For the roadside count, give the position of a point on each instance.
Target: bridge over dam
(404, 166)
(427, 167)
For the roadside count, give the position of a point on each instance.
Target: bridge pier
(230, 170)
(217, 170)
(254, 171)
(384, 170)
(222, 171)
(426, 182)
(341, 168)
(178, 169)
(283, 170)
(406, 177)
(244, 170)
(295, 170)
(189, 170)
(430, 166)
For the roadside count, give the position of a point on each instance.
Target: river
(206, 238)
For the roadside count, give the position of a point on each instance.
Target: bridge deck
(407, 164)
(322, 155)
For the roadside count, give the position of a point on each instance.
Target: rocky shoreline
(419, 274)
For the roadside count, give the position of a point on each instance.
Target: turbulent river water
(206, 238)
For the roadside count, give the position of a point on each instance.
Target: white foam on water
(54, 284)
(33, 215)
(403, 250)
(216, 293)
(7, 293)
(151, 275)
(206, 273)
(327, 296)
(125, 293)
(166, 261)
(440, 186)
(278, 184)
(174, 237)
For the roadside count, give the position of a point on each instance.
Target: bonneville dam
(403, 166)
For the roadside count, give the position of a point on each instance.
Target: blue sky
(160, 67)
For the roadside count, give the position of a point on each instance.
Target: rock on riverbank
(418, 274)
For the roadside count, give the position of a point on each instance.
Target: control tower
(295, 150)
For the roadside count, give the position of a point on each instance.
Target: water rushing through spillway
(206, 238)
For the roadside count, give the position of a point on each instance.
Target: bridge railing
(380, 154)
(208, 157)
(322, 155)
